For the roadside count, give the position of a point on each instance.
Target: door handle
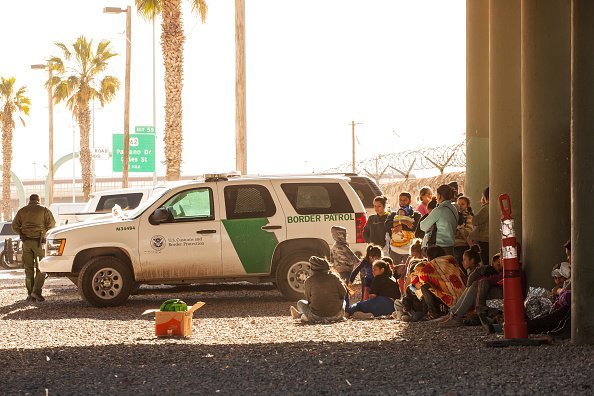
(272, 227)
(206, 232)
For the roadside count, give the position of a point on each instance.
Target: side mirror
(159, 216)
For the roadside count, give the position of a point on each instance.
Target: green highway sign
(144, 129)
(142, 152)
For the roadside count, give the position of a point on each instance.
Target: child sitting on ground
(365, 270)
(383, 292)
(324, 295)
(561, 273)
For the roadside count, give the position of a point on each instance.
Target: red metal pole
(514, 324)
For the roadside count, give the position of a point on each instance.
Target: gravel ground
(244, 342)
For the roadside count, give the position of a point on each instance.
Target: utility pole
(353, 123)
(240, 105)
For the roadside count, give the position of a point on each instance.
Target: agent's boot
(37, 296)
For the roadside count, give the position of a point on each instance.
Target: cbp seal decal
(158, 242)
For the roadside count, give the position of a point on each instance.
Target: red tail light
(360, 221)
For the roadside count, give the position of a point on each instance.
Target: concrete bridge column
(582, 175)
(505, 117)
(477, 99)
(545, 136)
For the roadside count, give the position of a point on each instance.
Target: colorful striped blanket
(444, 277)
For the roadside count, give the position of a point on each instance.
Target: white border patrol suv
(219, 229)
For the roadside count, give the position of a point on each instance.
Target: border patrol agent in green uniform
(31, 223)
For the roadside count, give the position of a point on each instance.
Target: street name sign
(100, 153)
(142, 152)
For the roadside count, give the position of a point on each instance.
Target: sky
(313, 66)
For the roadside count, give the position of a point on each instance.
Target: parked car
(6, 233)
(217, 229)
(101, 203)
(66, 208)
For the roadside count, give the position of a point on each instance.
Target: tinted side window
(126, 201)
(191, 205)
(365, 190)
(317, 198)
(248, 201)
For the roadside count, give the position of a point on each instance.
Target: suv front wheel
(105, 281)
(291, 274)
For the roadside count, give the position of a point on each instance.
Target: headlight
(55, 247)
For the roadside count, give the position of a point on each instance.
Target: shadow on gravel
(232, 303)
(175, 367)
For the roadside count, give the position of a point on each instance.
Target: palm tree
(172, 45)
(13, 102)
(81, 80)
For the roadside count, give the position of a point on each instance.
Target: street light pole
(240, 109)
(126, 164)
(50, 167)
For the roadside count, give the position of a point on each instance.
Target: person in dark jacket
(384, 290)
(31, 223)
(375, 230)
(365, 270)
(324, 295)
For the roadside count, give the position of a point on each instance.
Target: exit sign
(144, 129)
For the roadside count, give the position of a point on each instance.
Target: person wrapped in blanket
(471, 260)
(384, 291)
(342, 258)
(439, 283)
(401, 225)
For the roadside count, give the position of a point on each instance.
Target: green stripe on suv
(253, 245)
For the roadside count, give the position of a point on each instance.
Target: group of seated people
(431, 286)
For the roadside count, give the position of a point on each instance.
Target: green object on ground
(174, 305)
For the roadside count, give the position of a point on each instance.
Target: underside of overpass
(530, 133)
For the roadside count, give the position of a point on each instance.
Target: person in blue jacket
(365, 270)
(445, 219)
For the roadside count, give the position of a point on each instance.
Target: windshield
(143, 206)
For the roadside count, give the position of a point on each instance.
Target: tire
(5, 265)
(291, 274)
(105, 281)
(135, 289)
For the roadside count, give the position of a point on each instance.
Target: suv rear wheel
(291, 274)
(105, 281)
